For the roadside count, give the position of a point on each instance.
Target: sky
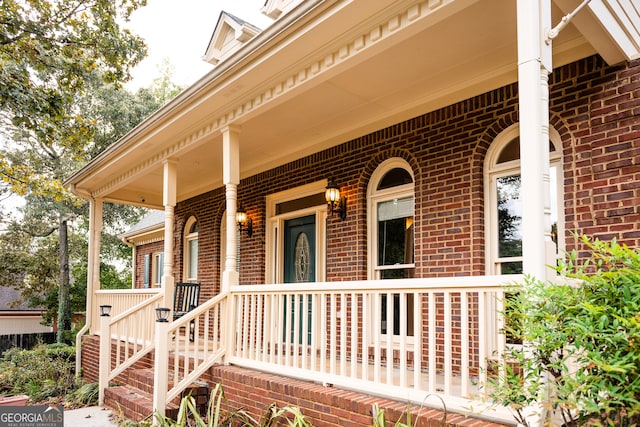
(180, 30)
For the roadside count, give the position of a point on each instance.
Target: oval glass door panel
(302, 262)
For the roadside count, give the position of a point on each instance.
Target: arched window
(390, 205)
(191, 250)
(390, 198)
(503, 203)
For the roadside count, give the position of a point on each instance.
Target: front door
(299, 267)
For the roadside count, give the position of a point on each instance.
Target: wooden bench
(185, 298)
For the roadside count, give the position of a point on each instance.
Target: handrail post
(105, 356)
(161, 369)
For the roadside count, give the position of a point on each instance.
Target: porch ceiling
(328, 72)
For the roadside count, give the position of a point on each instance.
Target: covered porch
(322, 75)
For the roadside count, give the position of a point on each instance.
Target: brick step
(132, 404)
(142, 379)
(135, 401)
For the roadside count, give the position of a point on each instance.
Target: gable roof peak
(229, 35)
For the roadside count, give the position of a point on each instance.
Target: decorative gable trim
(230, 34)
(275, 8)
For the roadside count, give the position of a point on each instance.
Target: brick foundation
(254, 391)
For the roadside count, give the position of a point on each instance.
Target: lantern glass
(241, 217)
(162, 314)
(332, 193)
(105, 310)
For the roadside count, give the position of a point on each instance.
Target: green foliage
(46, 371)
(86, 395)
(380, 418)
(49, 50)
(218, 416)
(581, 338)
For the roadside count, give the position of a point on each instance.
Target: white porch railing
(120, 301)
(402, 339)
(131, 333)
(187, 347)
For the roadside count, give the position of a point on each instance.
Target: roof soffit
(254, 82)
(312, 67)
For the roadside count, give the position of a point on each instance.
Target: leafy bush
(44, 372)
(581, 352)
(86, 395)
(217, 416)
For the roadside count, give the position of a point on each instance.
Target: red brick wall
(91, 360)
(594, 108)
(141, 251)
(599, 109)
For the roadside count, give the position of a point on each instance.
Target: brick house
(418, 113)
(146, 238)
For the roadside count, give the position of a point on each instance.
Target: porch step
(134, 401)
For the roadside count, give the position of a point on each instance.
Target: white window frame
(188, 238)
(493, 170)
(147, 270)
(374, 197)
(157, 268)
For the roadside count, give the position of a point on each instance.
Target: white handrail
(195, 344)
(134, 333)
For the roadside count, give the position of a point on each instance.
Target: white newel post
(231, 178)
(105, 357)
(534, 66)
(161, 369)
(161, 361)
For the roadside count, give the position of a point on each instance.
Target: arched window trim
(188, 238)
(494, 170)
(375, 196)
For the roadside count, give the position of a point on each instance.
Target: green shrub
(44, 372)
(218, 416)
(581, 338)
(86, 395)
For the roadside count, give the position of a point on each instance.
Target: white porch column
(231, 179)
(169, 202)
(93, 255)
(93, 273)
(534, 66)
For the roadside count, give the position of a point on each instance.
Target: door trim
(274, 235)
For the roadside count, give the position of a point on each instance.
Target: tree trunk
(64, 304)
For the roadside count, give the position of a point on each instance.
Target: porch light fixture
(335, 203)
(105, 310)
(162, 314)
(242, 220)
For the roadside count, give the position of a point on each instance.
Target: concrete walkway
(90, 416)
